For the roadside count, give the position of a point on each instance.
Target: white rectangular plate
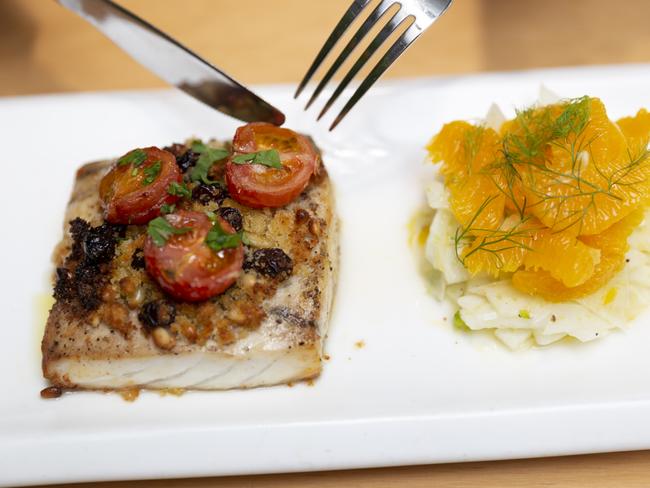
(418, 392)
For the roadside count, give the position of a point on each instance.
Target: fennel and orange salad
(537, 225)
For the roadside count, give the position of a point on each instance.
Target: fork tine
(347, 19)
(400, 45)
(372, 19)
(383, 34)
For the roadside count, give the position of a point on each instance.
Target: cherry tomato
(185, 267)
(258, 186)
(133, 191)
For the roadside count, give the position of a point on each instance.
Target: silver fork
(423, 13)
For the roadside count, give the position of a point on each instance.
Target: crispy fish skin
(214, 345)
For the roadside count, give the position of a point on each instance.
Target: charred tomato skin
(185, 267)
(259, 186)
(128, 198)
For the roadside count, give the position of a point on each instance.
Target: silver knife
(173, 62)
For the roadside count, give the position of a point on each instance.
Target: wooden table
(46, 49)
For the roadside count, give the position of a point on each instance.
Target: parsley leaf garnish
(268, 157)
(151, 173)
(159, 229)
(198, 147)
(208, 156)
(167, 209)
(135, 157)
(179, 190)
(218, 239)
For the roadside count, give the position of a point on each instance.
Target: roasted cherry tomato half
(133, 191)
(258, 186)
(185, 267)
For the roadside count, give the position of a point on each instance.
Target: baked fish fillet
(266, 329)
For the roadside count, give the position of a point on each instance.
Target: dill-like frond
(472, 144)
(513, 237)
(497, 241)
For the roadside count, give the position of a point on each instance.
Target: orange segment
(505, 259)
(614, 239)
(572, 266)
(583, 179)
(502, 250)
(636, 130)
(552, 197)
(468, 153)
(531, 245)
(463, 148)
(612, 244)
(477, 204)
(541, 282)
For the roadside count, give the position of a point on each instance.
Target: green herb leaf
(244, 238)
(135, 157)
(208, 156)
(459, 323)
(269, 157)
(218, 239)
(243, 158)
(179, 190)
(159, 229)
(198, 146)
(151, 173)
(167, 209)
(573, 118)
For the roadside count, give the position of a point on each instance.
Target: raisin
(119, 229)
(209, 193)
(176, 149)
(157, 313)
(232, 216)
(78, 229)
(85, 285)
(187, 160)
(99, 244)
(137, 259)
(89, 284)
(272, 262)
(84, 276)
(94, 244)
(64, 289)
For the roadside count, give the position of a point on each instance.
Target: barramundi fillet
(112, 327)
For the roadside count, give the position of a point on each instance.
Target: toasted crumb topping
(101, 277)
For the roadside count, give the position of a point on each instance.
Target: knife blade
(173, 62)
